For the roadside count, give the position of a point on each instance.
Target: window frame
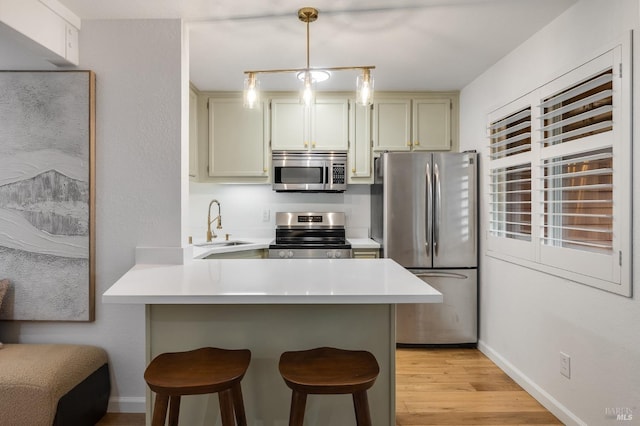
(607, 271)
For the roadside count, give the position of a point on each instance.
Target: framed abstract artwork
(47, 195)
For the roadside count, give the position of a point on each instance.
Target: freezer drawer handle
(441, 275)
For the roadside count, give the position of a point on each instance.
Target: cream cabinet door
(432, 124)
(360, 159)
(323, 126)
(330, 125)
(289, 119)
(193, 134)
(238, 143)
(392, 125)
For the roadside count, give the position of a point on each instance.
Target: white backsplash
(243, 208)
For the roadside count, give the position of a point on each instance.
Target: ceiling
(414, 44)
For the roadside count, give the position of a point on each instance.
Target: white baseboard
(544, 398)
(126, 405)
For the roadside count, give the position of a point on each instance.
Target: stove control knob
(338, 255)
(329, 255)
(290, 254)
(282, 254)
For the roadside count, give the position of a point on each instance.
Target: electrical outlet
(266, 215)
(565, 365)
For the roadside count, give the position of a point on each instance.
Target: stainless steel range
(310, 235)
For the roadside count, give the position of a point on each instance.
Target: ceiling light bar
(364, 82)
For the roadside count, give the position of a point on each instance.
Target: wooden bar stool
(329, 371)
(196, 372)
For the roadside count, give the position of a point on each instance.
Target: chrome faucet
(211, 235)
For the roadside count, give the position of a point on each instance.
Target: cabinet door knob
(409, 143)
(306, 144)
(353, 170)
(417, 143)
(313, 144)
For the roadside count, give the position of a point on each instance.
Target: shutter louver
(582, 110)
(511, 135)
(578, 198)
(510, 205)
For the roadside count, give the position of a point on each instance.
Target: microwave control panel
(338, 173)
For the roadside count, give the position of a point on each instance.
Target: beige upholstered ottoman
(53, 384)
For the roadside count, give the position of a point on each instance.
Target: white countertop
(272, 281)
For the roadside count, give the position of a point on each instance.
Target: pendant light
(310, 76)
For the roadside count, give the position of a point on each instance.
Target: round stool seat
(200, 371)
(329, 371)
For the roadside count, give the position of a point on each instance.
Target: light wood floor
(443, 387)
(460, 387)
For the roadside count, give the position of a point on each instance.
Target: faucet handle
(226, 237)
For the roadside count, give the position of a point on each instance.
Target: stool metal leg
(160, 410)
(361, 406)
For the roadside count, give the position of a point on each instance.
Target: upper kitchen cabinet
(431, 129)
(360, 158)
(193, 133)
(391, 124)
(238, 141)
(416, 123)
(323, 127)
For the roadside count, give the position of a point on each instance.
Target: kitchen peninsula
(270, 306)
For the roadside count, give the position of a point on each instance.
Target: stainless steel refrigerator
(424, 215)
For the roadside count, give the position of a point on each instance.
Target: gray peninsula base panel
(269, 330)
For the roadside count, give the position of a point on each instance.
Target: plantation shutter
(510, 181)
(559, 175)
(582, 153)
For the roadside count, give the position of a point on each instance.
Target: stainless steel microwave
(301, 171)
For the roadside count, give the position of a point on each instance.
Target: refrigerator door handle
(437, 207)
(440, 275)
(429, 210)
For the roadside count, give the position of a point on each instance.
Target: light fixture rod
(364, 67)
(307, 43)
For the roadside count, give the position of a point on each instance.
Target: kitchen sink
(222, 243)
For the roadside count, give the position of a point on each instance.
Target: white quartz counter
(272, 281)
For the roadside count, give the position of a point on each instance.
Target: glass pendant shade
(364, 88)
(307, 97)
(251, 95)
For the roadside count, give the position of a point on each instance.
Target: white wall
(138, 185)
(242, 208)
(527, 317)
